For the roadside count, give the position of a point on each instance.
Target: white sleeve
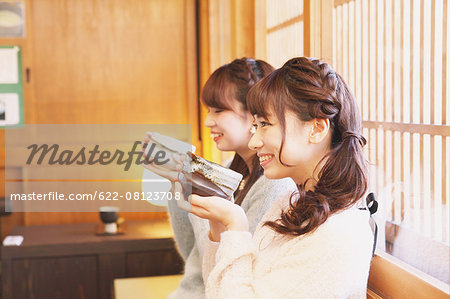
(209, 259)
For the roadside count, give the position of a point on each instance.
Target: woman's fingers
(173, 158)
(211, 207)
(214, 208)
(199, 201)
(185, 205)
(221, 210)
(148, 136)
(171, 175)
(177, 158)
(200, 212)
(170, 170)
(209, 202)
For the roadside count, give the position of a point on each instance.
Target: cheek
(296, 149)
(220, 120)
(245, 121)
(242, 136)
(293, 153)
(239, 126)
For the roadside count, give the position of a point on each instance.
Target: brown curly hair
(312, 89)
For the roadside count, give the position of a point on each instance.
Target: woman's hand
(215, 229)
(170, 171)
(222, 214)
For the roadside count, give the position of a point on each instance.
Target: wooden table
(71, 261)
(157, 287)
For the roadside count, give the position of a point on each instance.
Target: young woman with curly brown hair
(315, 242)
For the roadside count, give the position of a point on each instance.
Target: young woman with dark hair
(230, 121)
(315, 242)
(228, 117)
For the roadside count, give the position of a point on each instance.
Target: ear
(319, 129)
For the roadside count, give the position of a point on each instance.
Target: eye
(260, 124)
(215, 110)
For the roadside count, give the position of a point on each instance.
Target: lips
(265, 159)
(216, 136)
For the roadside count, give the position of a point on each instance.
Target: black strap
(372, 206)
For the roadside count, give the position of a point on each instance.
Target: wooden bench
(392, 278)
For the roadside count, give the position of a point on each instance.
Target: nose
(255, 141)
(209, 120)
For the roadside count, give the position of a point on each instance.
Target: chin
(222, 148)
(219, 146)
(277, 173)
(272, 175)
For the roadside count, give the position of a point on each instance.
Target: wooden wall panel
(117, 62)
(110, 61)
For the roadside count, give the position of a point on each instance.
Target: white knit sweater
(191, 232)
(331, 262)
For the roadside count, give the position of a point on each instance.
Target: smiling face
(304, 146)
(230, 129)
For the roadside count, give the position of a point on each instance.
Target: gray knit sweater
(191, 232)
